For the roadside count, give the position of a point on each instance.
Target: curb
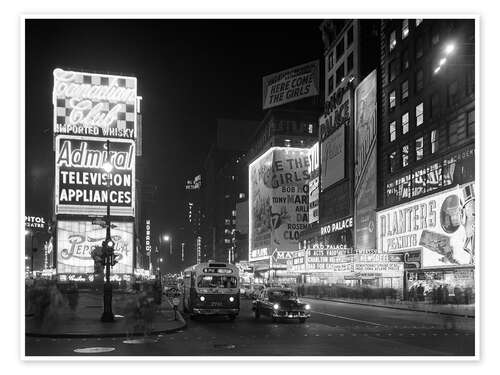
(180, 319)
(394, 307)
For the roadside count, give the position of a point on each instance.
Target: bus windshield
(217, 281)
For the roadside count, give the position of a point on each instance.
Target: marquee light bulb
(449, 48)
(107, 167)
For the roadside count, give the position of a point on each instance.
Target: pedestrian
(439, 296)
(446, 294)
(434, 295)
(458, 295)
(468, 295)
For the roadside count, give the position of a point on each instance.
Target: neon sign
(94, 104)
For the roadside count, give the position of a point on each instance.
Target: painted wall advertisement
(291, 84)
(365, 179)
(441, 225)
(81, 182)
(90, 104)
(278, 201)
(77, 239)
(314, 183)
(333, 158)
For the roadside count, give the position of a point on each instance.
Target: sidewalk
(85, 321)
(467, 311)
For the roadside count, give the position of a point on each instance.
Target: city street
(334, 329)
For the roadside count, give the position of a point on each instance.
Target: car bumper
(216, 311)
(291, 314)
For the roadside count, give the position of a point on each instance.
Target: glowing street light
(449, 48)
(437, 70)
(166, 238)
(442, 61)
(107, 166)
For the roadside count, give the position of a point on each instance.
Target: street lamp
(108, 250)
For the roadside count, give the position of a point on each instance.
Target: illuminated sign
(82, 184)
(90, 104)
(194, 184)
(365, 171)
(291, 84)
(278, 201)
(148, 237)
(337, 226)
(441, 225)
(35, 222)
(77, 239)
(333, 158)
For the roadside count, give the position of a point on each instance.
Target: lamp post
(108, 250)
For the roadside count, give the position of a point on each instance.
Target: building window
(227, 222)
(330, 61)
(434, 141)
(340, 74)
(330, 85)
(471, 123)
(405, 61)
(419, 47)
(393, 70)
(392, 131)
(392, 40)
(405, 29)
(233, 212)
(404, 91)
(350, 62)
(227, 240)
(392, 162)
(405, 123)
(453, 132)
(405, 153)
(469, 81)
(350, 36)
(419, 114)
(392, 100)
(434, 105)
(452, 91)
(241, 196)
(419, 148)
(419, 80)
(339, 50)
(418, 21)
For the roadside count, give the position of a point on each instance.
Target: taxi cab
(280, 304)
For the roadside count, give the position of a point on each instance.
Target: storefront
(435, 237)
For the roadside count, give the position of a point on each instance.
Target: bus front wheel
(256, 314)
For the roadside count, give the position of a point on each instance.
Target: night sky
(190, 72)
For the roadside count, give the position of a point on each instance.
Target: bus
(211, 289)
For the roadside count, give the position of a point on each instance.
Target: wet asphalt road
(334, 329)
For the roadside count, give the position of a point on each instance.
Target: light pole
(108, 250)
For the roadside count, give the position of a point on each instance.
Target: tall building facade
(426, 150)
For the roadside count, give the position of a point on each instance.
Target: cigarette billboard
(441, 226)
(314, 183)
(77, 239)
(82, 187)
(291, 84)
(365, 171)
(333, 158)
(94, 105)
(278, 202)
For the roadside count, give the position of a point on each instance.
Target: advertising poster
(365, 171)
(441, 225)
(98, 105)
(333, 158)
(77, 239)
(81, 182)
(278, 198)
(291, 84)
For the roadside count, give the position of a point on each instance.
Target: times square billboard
(82, 187)
(77, 239)
(441, 227)
(278, 202)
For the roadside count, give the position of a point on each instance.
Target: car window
(278, 295)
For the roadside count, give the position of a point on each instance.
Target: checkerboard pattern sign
(94, 104)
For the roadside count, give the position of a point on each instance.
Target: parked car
(280, 304)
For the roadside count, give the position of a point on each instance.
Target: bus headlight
(307, 307)
(202, 298)
(231, 299)
(276, 306)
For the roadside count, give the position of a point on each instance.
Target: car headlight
(231, 299)
(202, 298)
(276, 306)
(307, 307)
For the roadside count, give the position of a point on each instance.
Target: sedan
(280, 304)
